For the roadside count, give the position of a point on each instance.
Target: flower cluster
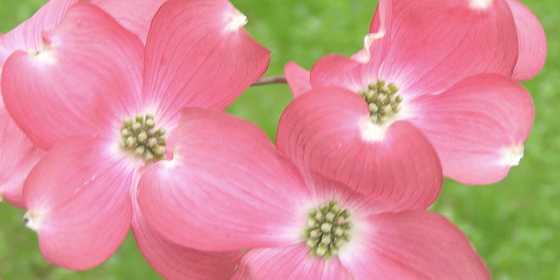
(113, 120)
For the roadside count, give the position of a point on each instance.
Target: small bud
(140, 150)
(326, 239)
(312, 242)
(152, 142)
(131, 142)
(326, 227)
(125, 133)
(394, 88)
(385, 90)
(321, 250)
(142, 137)
(148, 155)
(315, 233)
(127, 122)
(150, 123)
(159, 150)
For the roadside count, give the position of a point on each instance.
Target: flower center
(140, 138)
(382, 100)
(327, 229)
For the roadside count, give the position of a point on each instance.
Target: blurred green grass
(513, 224)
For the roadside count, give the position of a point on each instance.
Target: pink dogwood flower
(433, 76)
(104, 105)
(18, 154)
(242, 194)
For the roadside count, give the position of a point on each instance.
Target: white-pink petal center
(480, 4)
(45, 56)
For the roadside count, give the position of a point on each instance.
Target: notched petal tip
(33, 220)
(513, 155)
(235, 20)
(364, 55)
(480, 4)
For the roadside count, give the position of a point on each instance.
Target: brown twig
(270, 80)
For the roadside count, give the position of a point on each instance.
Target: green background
(514, 224)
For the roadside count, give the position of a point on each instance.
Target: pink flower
(18, 154)
(104, 105)
(433, 76)
(295, 226)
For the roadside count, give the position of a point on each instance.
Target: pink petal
(134, 15)
(78, 202)
(17, 156)
(27, 36)
(298, 78)
(413, 245)
(325, 131)
(224, 189)
(199, 56)
(437, 43)
(292, 262)
(477, 127)
(4, 53)
(336, 70)
(532, 42)
(175, 262)
(88, 74)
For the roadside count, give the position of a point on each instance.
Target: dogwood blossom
(104, 106)
(433, 76)
(294, 223)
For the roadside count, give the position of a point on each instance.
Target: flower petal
(328, 130)
(27, 36)
(477, 127)
(413, 245)
(175, 262)
(298, 78)
(337, 70)
(4, 53)
(17, 156)
(532, 42)
(78, 202)
(198, 55)
(437, 43)
(88, 73)
(224, 189)
(291, 262)
(134, 15)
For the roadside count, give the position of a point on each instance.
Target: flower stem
(270, 80)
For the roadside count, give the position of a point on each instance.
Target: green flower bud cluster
(382, 100)
(140, 138)
(327, 229)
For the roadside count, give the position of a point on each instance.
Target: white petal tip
(234, 21)
(364, 55)
(33, 220)
(480, 4)
(513, 155)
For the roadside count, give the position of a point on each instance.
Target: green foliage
(513, 224)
